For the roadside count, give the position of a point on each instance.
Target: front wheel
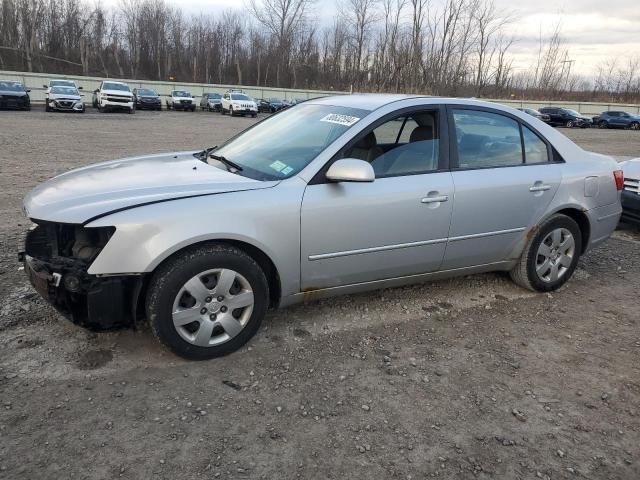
(635, 126)
(603, 124)
(132, 110)
(569, 124)
(551, 256)
(207, 301)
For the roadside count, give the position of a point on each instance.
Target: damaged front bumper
(91, 301)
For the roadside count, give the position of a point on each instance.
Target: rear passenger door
(504, 178)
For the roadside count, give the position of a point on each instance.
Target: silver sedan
(332, 196)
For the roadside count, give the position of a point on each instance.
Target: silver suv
(332, 196)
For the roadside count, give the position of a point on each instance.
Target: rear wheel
(570, 124)
(551, 256)
(603, 124)
(207, 301)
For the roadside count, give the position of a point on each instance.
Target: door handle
(438, 199)
(539, 187)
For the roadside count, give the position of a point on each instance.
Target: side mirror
(45, 86)
(351, 170)
(80, 88)
(28, 90)
(96, 90)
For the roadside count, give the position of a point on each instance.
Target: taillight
(619, 177)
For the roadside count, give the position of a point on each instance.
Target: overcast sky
(594, 30)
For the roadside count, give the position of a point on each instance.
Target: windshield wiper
(230, 165)
(204, 154)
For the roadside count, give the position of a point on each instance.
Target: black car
(14, 95)
(564, 117)
(535, 113)
(211, 101)
(270, 105)
(146, 98)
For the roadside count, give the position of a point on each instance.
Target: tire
(47, 108)
(569, 124)
(231, 114)
(132, 110)
(535, 271)
(603, 124)
(254, 115)
(169, 291)
(634, 126)
(222, 110)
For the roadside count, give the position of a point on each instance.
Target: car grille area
(56, 260)
(632, 185)
(113, 98)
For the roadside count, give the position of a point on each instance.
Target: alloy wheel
(213, 307)
(555, 255)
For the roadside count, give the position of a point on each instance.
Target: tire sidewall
(555, 222)
(168, 281)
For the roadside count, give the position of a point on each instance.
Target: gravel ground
(466, 378)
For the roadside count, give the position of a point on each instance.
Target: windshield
(239, 96)
(274, 100)
(62, 83)
(115, 86)
(146, 92)
(64, 90)
(284, 144)
(573, 112)
(214, 95)
(11, 87)
(181, 93)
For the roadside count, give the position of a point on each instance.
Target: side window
(388, 132)
(417, 151)
(535, 150)
(487, 139)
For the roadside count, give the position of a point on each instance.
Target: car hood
(122, 93)
(97, 190)
(64, 96)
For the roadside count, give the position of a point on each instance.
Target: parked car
(631, 191)
(146, 98)
(111, 95)
(14, 95)
(564, 117)
(617, 120)
(64, 99)
(58, 83)
(211, 102)
(535, 113)
(236, 103)
(270, 105)
(290, 210)
(181, 100)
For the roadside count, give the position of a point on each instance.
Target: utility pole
(569, 63)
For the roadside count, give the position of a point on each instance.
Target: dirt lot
(468, 378)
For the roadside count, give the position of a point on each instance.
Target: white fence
(35, 82)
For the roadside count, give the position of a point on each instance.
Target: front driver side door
(393, 227)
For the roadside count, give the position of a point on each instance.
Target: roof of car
(373, 101)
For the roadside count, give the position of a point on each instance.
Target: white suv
(181, 100)
(237, 103)
(113, 96)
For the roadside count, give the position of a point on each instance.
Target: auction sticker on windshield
(345, 120)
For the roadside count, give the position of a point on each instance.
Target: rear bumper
(89, 301)
(603, 221)
(631, 206)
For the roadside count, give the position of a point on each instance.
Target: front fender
(268, 219)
